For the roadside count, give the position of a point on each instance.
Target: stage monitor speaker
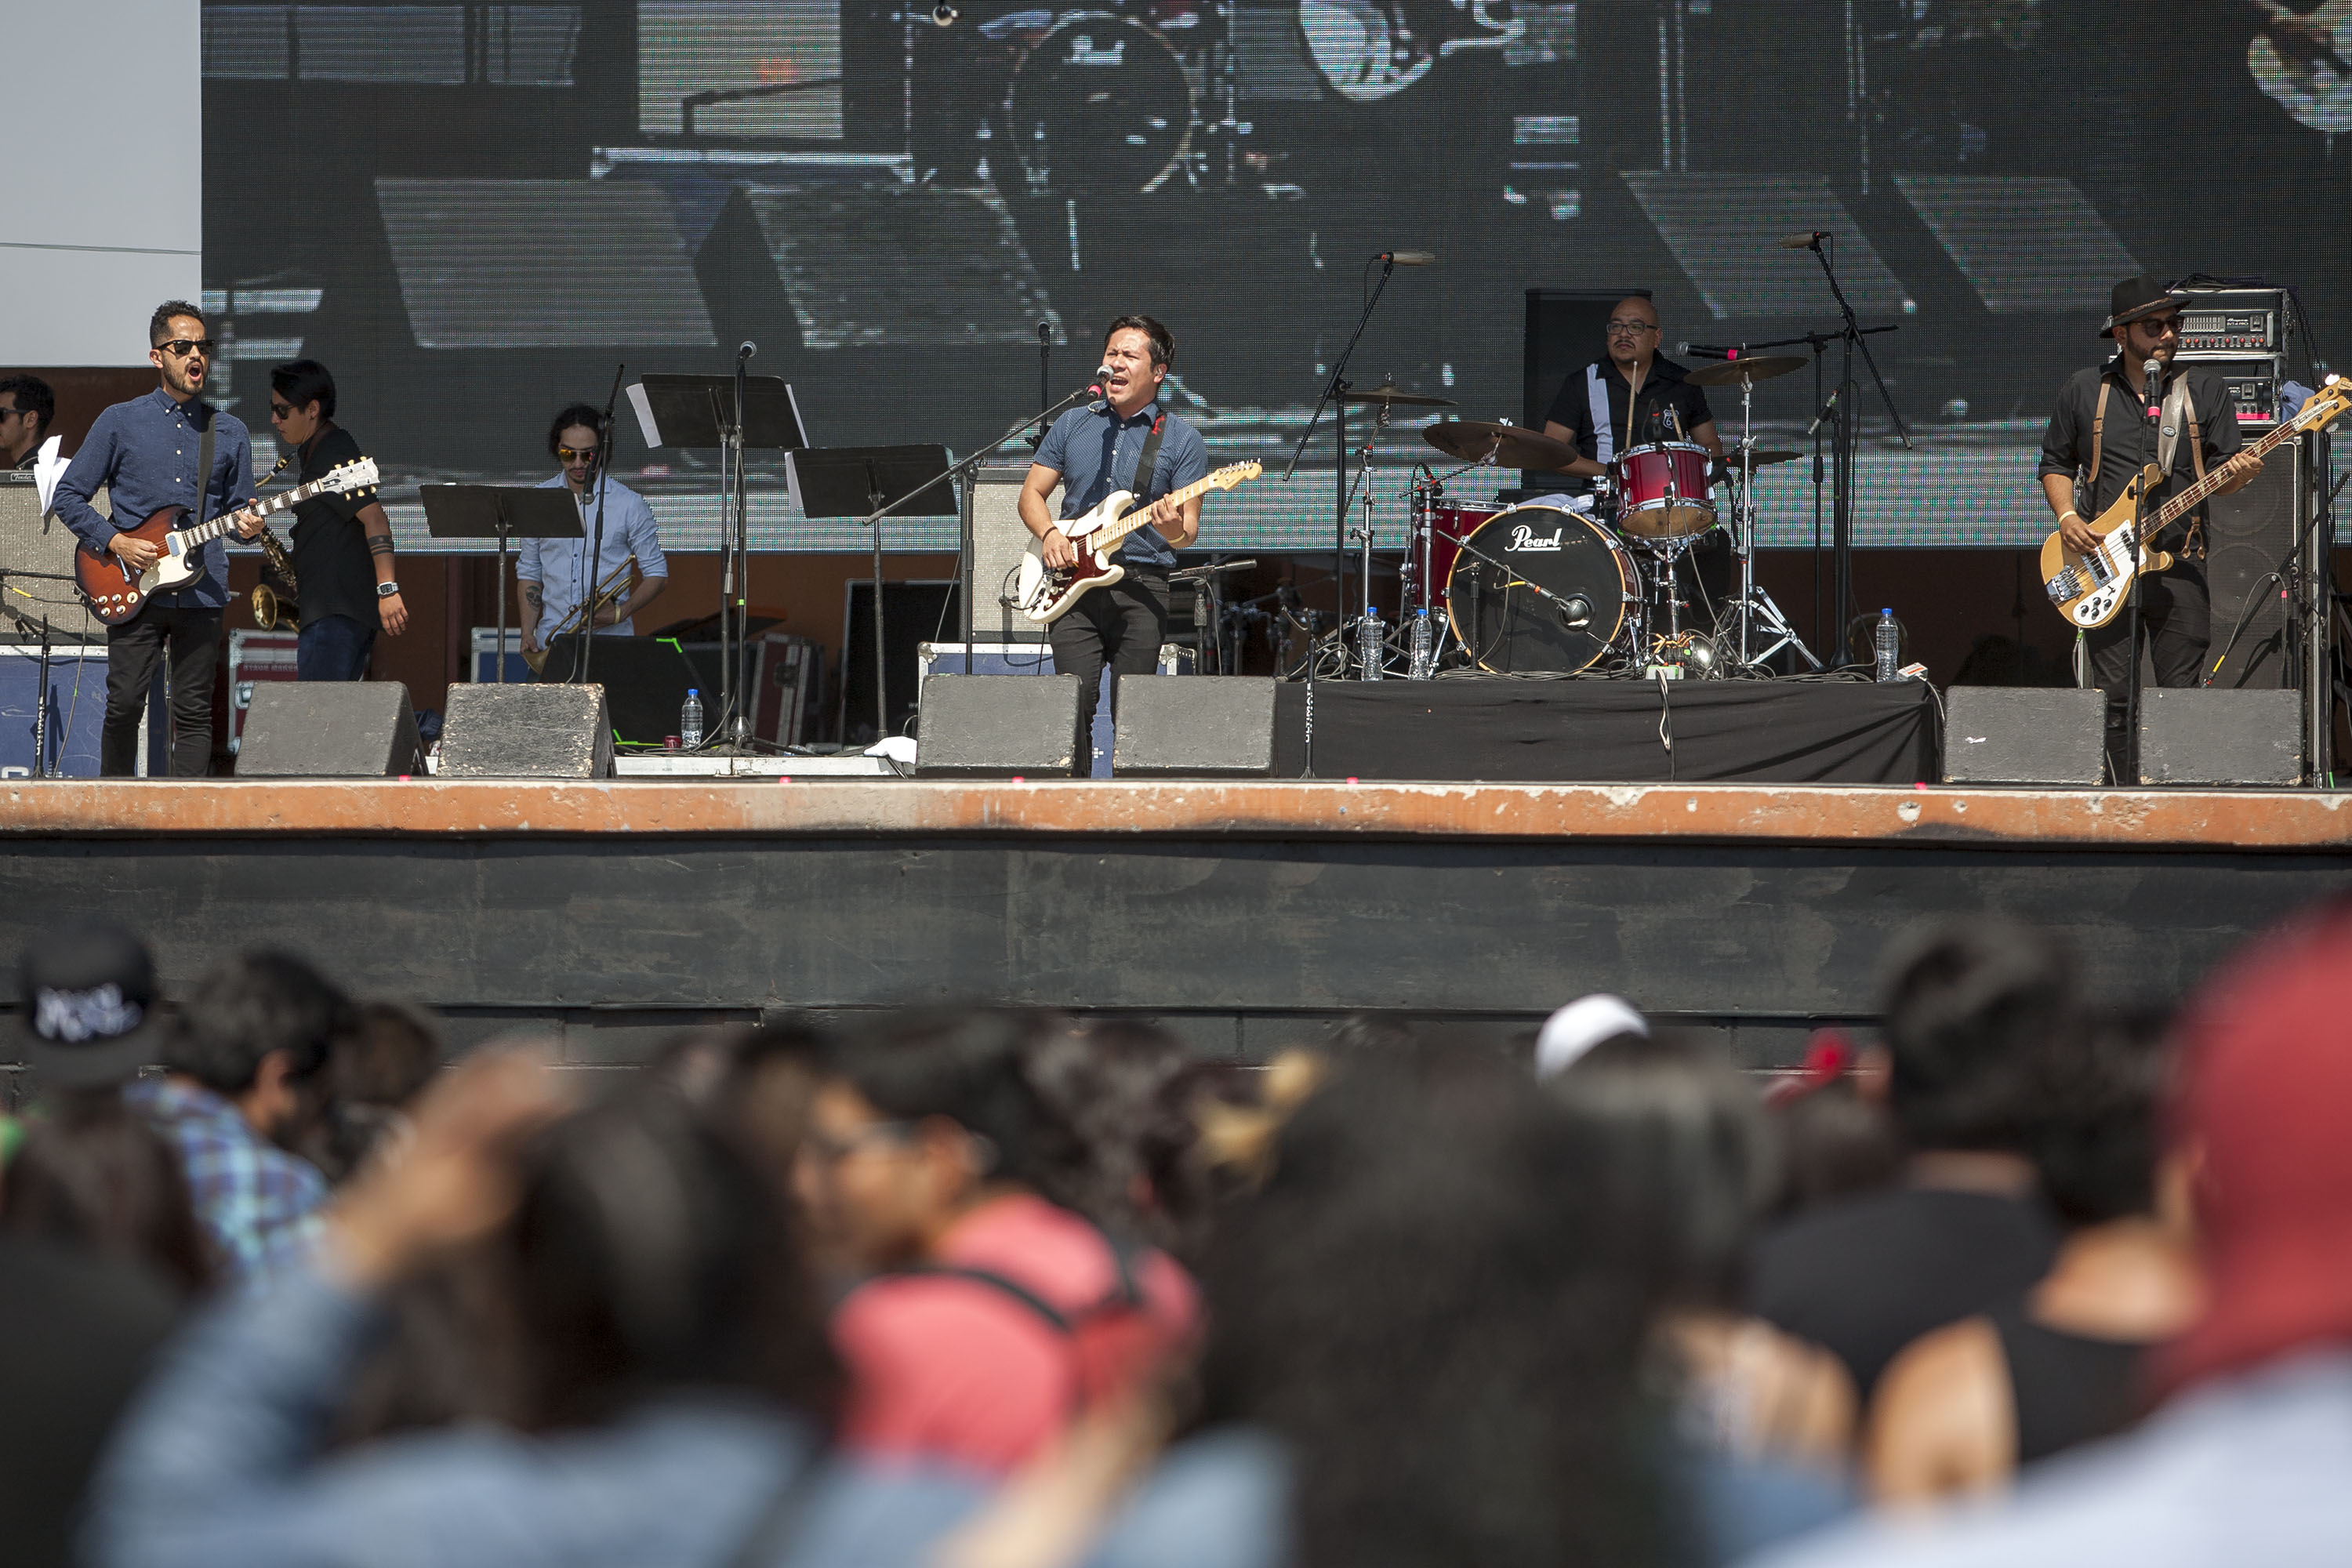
(36, 563)
(2025, 734)
(528, 731)
(993, 726)
(1176, 726)
(2249, 536)
(1567, 330)
(329, 730)
(999, 540)
(2202, 735)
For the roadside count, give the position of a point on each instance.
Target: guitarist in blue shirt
(1090, 452)
(147, 453)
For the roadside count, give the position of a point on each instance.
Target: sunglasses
(281, 410)
(1630, 329)
(576, 454)
(179, 348)
(2162, 327)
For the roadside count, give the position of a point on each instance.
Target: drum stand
(1753, 604)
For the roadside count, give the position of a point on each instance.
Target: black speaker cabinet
(329, 730)
(1181, 726)
(527, 731)
(2204, 735)
(993, 726)
(2025, 734)
(2249, 536)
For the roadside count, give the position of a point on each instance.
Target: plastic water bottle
(1886, 640)
(1421, 647)
(1371, 644)
(689, 719)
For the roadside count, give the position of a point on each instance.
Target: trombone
(581, 616)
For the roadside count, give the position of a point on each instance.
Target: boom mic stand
(595, 570)
(1849, 430)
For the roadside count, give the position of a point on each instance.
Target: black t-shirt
(1864, 1278)
(1662, 390)
(78, 1332)
(2127, 441)
(330, 554)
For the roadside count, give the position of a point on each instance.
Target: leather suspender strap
(2194, 546)
(2098, 435)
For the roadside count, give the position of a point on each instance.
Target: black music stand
(500, 512)
(732, 413)
(865, 482)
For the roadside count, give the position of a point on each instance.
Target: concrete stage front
(1245, 915)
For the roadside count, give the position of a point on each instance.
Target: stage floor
(1245, 915)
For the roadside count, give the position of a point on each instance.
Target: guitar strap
(1139, 486)
(2098, 435)
(203, 468)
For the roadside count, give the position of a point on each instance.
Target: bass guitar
(2090, 589)
(1045, 593)
(114, 593)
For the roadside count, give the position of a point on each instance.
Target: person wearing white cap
(1584, 1024)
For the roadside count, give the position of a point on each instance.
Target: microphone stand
(960, 471)
(2152, 408)
(1849, 437)
(596, 552)
(1044, 396)
(1333, 397)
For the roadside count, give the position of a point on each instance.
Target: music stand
(500, 512)
(731, 413)
(865, 482)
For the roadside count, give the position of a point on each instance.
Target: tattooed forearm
(378, 544)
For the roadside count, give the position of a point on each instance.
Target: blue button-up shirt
(144, 454)
(560, 565)
(260, 1204)
(1096, 452)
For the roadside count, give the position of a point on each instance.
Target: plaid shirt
(259, 1203)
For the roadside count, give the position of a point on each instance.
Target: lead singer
(1127, 440)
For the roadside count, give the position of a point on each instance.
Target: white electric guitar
(1045, 593)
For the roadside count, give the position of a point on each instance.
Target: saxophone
(273, 611)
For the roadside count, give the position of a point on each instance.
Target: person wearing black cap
(2100, 427)
(91, 1005)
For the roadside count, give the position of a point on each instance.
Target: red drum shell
(1663, 491)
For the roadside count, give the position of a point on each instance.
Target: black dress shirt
(1662, 390)
(2128, 440)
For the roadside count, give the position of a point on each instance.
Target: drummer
(1634, 397)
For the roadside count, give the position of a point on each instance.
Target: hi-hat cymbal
(1396, 398)
(1763, 458)
(1748, 367)
(1476, 440)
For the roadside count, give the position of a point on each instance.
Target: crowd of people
(2023, 1279)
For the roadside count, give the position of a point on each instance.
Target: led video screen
(476, 212)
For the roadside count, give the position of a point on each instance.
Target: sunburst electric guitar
(114, 593)
(2090, 589)
(1046, 593)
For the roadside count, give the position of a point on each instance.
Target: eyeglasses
(1630, 329)
(576, 454)
(281, 410)
(831, 1151)
(179, 348)
(15, 413)
(2163, 326)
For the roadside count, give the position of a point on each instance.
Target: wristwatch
(386, 590)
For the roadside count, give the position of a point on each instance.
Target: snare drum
(1665, 493)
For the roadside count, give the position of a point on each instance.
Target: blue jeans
(333, 648)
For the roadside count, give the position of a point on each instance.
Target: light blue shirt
(2251, 1469)
(560, 565)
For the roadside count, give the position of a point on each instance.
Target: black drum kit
(1563, 584)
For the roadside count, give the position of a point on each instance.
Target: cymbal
(1511, 447)
(1763, 458)
(1396, 398)
(1748, 367)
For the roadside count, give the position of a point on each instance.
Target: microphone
(1809, 240)
(2151, 372)
(746, 349)
(1576, 610)
(1101, 387)
(1407, 257)
(1827, 408)
(944, 15)
(1711, 350)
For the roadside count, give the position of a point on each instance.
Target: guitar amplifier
(36, 563)
(253, 656)
(2233, 320)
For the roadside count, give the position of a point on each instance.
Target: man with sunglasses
(148, 454)
(342, 544)
(551, 575)
(27, 409)
(2100, 426)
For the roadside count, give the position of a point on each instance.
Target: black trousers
(2176, 614)
(1122, 626)
(134, 651)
